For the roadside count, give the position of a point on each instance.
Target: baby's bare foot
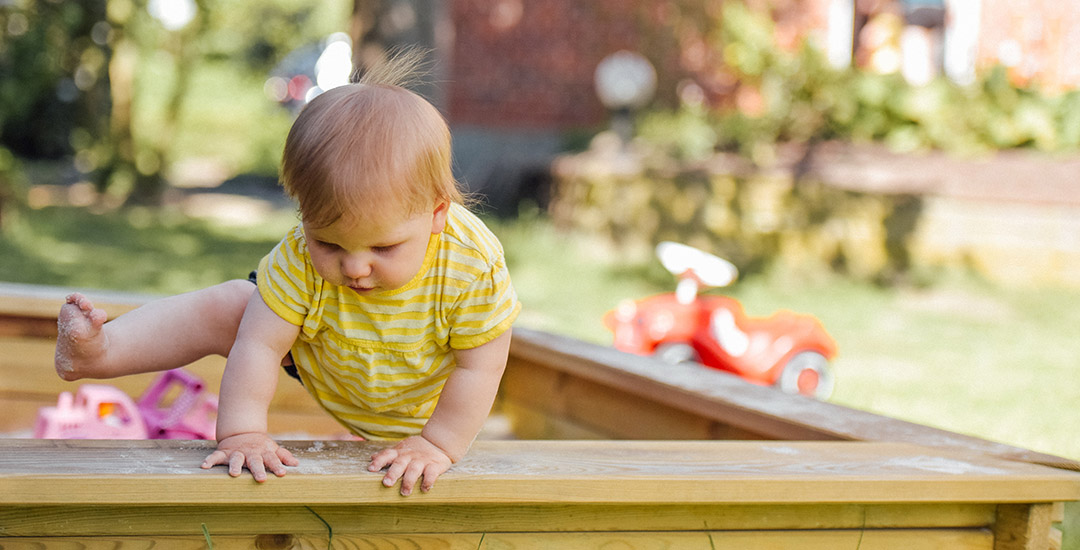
(81, 343)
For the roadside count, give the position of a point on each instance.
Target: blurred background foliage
(112, 87)
(790, 93)
(109, 85)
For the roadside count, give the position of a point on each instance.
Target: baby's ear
(438, 219)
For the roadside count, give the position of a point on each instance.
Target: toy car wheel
(674, 353)
(807, 373)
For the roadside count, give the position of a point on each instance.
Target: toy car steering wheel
(711, 270)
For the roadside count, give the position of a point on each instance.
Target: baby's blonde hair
(370, 150)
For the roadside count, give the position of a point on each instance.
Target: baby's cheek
(324, 268)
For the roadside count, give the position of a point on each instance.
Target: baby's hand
(409, 460)
(256, 451)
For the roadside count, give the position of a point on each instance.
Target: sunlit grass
(964, 356)
(225, 116)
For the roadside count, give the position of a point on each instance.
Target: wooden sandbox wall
(606, 449)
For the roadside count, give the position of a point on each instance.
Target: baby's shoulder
(467, 232)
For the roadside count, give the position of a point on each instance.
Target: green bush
(12, 186)
(53, 81)
(804, 99)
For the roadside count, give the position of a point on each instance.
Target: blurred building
(1034, 39)
(1039, 40)
(515, 77)
(520, 79)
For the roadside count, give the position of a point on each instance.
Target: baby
(390, 301)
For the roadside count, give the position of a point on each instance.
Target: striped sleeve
(485, 309)
(286, 281)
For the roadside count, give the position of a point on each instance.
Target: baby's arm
(464, 405)
(250, 378)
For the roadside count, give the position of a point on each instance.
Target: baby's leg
(161, 335)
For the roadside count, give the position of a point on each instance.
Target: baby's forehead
(369, 224)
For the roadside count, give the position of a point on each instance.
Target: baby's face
(373, 257)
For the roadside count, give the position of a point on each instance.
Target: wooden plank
(558, 494)
(570, 406)
(1022, 527)
(33, 327)
(27, 365)
(71, 520)
(753, 540)
(1057, 512)
(31, 310)
(726, 399)
(40, 472)
(42, 301)
(21, 415)
(1055, 539)
(794, 540)
(529, 423)
(589, 405)
(29, 382)
(268, 541)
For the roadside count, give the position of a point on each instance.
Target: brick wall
(530, 63)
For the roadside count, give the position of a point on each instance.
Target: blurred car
(309, 71)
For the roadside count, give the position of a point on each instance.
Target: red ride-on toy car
(787, 350)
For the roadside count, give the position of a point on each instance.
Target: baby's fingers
(236, 463)
(394, 472)
(257, 467)
(382, 459)
(272, 462)
(431, 473)
(410, 476)
(215, 458)
(286, 458)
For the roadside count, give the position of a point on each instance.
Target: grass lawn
(963, 355)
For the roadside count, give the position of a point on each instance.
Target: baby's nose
(355, 267)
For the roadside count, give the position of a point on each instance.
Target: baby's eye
(384, 249)
(326, 245)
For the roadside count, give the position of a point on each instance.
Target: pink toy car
(104, 412)
(96, 412)
(191, 415)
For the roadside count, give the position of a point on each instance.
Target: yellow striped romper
(377, 363)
